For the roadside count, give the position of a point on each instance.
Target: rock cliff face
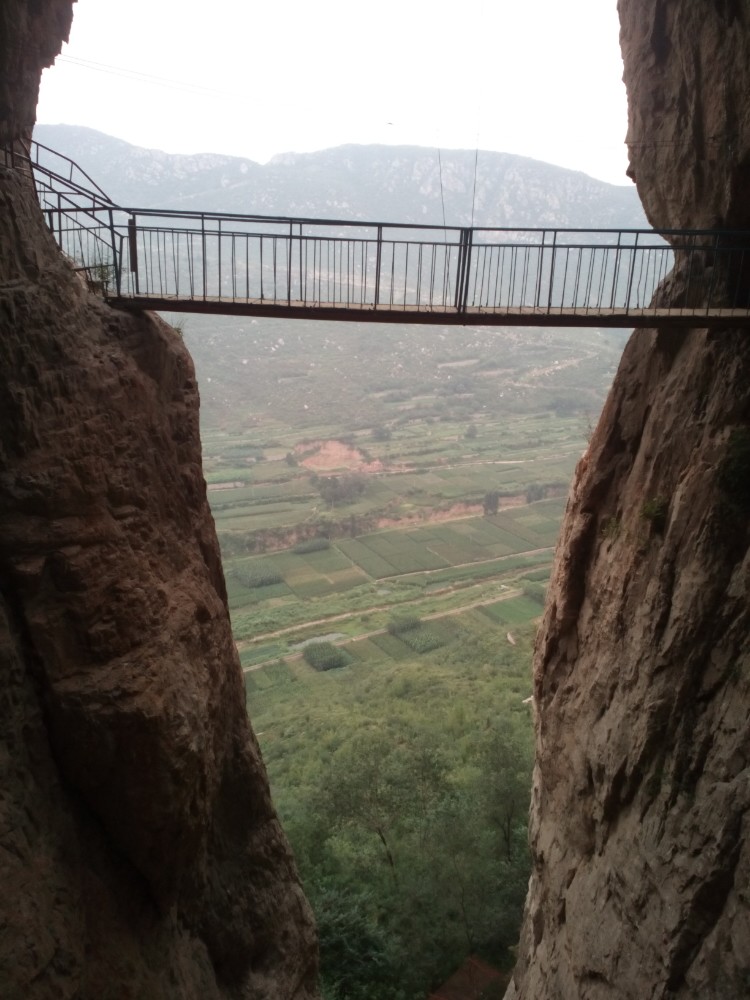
(140, 853)
(641, 802)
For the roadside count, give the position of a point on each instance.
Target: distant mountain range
(371, 183)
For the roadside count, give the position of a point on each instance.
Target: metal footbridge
(256, 265)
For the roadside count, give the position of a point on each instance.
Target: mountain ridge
(409, 184)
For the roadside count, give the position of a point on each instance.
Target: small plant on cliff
(655, 512)
(734, 472)
(99, 275)
(178, 325)
(610, 528)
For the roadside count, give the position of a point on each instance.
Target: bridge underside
(475, 316)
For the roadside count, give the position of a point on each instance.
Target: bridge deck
(471, 315)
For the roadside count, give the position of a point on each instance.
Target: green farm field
(352, 580)
(390, 499)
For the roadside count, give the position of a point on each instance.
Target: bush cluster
(324, 656)
(410, 630)
(258, 575)
(655, 511)
(312, 545)
(400, 624)
(423, 639)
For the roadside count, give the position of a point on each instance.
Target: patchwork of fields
(485, 623)
(416, 531)
(352, 586)
(261, 496)
(349, 562)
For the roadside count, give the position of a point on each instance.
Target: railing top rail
(167, 213)
(88, 186)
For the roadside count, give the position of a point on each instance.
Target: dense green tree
(367, 790)
(341, 489)
(491, 502)
(536, 491)
(423, 860)
(536, 591)
(324, 656)
(505, 756)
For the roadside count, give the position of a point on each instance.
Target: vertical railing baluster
(115, 262)
(616, 274)
(302, 282)
(552, 271)
(462, 271)
(378, 265)
(219, 281)
(203, 253)
(133, 250)
(631, 272)
(290, 239)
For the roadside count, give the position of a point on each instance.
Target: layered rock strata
(140, 852)
(641, 800)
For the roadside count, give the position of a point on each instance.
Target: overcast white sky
(540, 78)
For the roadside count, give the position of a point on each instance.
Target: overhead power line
(149, 78)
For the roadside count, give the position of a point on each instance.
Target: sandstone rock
(31, 33)
(641, 796)
(141, 855)
(687, 76)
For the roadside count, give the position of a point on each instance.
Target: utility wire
(137, 75)
(440, 174)
(474, 193)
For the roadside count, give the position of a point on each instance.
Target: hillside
(381, 183)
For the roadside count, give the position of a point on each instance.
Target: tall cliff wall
(640, 813)
(140, 854)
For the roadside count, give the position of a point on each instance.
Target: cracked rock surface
(140, 855)
(641, 800)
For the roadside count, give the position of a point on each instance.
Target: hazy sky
(540, 78)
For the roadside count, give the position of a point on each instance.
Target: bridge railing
(90, 236)
(86, 224)
(384, 266)
(214, 260)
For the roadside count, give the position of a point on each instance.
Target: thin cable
(479, 122)
(137, 75)
(474, 194)
(440, 174)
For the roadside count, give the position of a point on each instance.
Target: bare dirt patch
(452, 513)
(332, 455)
(455, 512)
